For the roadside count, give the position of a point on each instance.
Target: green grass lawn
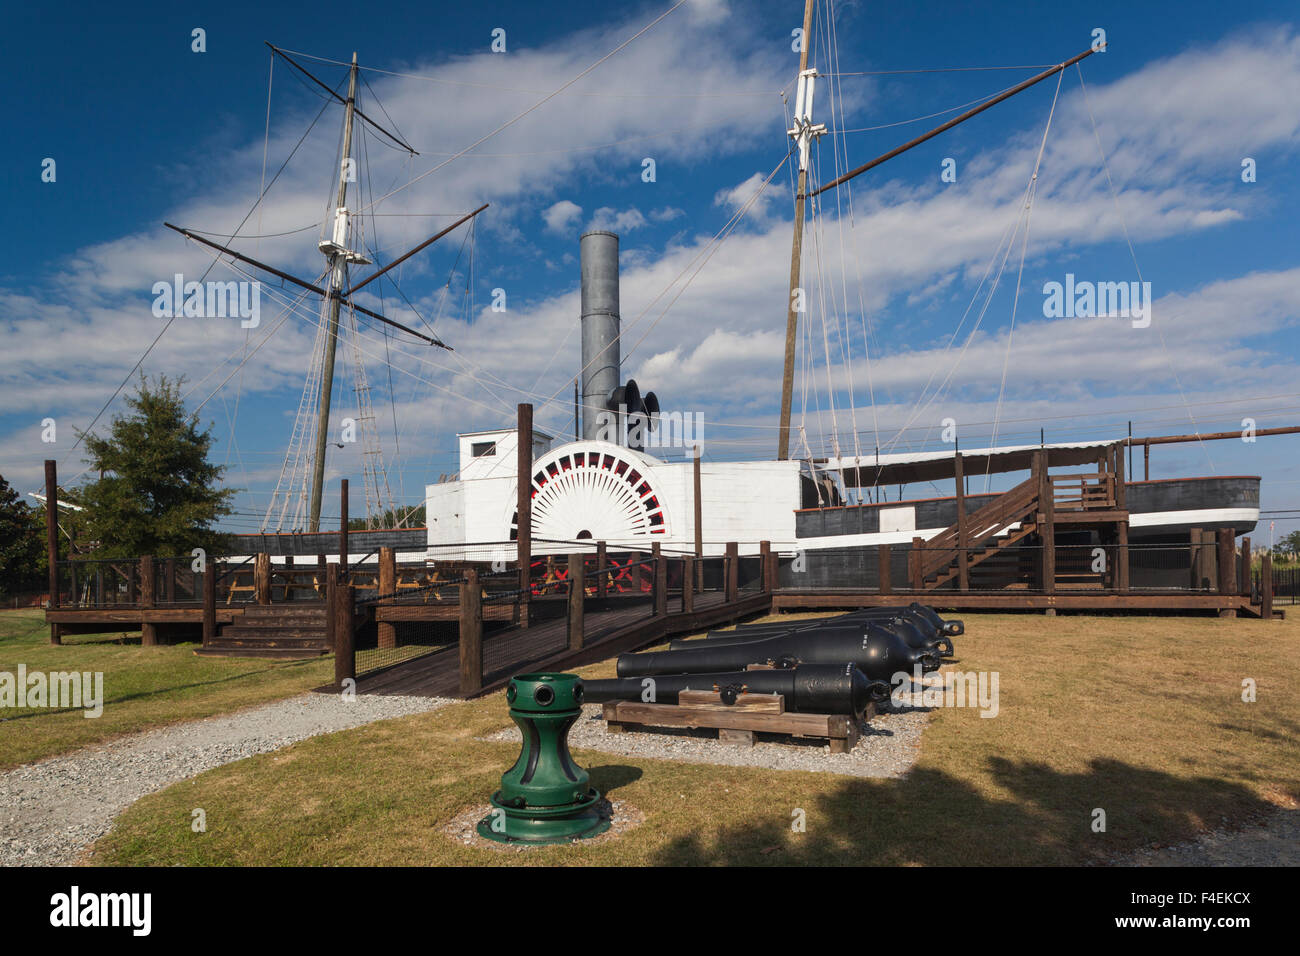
(143, 686)
(1140, 717)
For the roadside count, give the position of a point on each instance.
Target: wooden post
(524, 506)
(1121, 480)
(764, 567)
(699, 520)
(1047, 533)
(262, 577)
(471, 635)
(1146, 462)
(169, 581)
(52, 529)
(345, 659)
(963, 558)
(886, 572)
(1194, 556)
(1243, 569)
(1227, 571)
(1266, 586)
(331, 585)
(209, 602)
(661, 580)
(148, 593)
(577, 596)
(343, 529)
(688, 584)
(602, 562)
(387, 633)
(1208, 546)
(914, 564)
(733, 571)
(52, 541)
(1121, 559)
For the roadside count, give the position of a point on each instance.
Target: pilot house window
(483, 449)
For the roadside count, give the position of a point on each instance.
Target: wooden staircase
(941, 558)
(285, 631)
(1038, 504)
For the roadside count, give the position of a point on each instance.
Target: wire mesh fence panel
(1096, 565)
(1286, 585)
(99, 582)
(432, 622)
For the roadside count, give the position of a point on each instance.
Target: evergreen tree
(22, 543)
(157, 492)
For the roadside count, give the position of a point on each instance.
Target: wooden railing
(1085, 492)
(980, 526)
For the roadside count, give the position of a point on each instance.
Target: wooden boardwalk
(1065, 599)
(545, 645)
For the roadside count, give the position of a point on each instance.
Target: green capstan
(545, 797)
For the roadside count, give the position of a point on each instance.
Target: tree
(157, 492)
(410, 518)
(1289, 544)
(22, 544)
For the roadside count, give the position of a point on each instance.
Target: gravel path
(1276, 842)
(51, 811)
(889, 745)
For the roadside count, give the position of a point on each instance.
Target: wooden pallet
(736, 723)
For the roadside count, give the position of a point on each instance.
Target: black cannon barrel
(879, 651)
(807, 689)
(918, 613)
(915, 632)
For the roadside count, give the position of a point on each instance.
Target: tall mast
(338, 255)
(803, 132)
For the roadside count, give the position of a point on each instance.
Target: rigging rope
(1133, 254)
(1031, 192)
(550, 96)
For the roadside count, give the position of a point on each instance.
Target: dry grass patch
(1141, 717)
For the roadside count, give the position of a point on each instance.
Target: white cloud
(751, 191)
(607, 217)
(561, 216)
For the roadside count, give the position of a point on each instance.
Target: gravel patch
(463, 828)
(888, 747)
(1276, 842)
(51, 811)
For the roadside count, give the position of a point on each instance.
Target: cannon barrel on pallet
(877, 650)
(911, 635)
(807, 688)
(924, 617)
(915, 630)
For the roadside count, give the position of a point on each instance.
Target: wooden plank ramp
(545, 645)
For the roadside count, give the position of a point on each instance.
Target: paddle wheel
(596, 491)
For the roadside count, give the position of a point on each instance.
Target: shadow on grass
(610, 777)
(1041, 817)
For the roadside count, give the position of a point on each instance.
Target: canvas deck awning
(907, 467)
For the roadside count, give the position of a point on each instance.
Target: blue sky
(145, 130)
